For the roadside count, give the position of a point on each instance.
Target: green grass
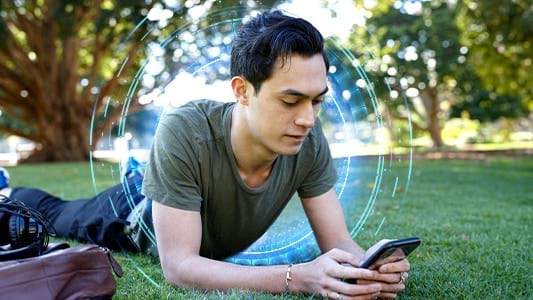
(474, 219)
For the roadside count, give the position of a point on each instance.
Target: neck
(254, 160)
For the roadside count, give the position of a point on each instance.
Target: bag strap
(54, 247)
(114, 264)
(117, 269)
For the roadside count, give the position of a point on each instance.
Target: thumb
(341, 256)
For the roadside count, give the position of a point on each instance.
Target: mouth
(297, 137)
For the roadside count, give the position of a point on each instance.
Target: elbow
(175, 274)
(172, 277)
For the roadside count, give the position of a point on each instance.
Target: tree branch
(6, 72)
(113, 117)
(13, 94)
(37, 104)
(18, 56)
(413, 123)
(416, 111)
(83, 15)
(12, 112)
(112, 83)
(68, 71)
(16, 132)
(93, 73)
(32, 30)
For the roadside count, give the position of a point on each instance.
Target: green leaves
(500, 37)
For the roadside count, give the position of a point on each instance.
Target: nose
(306, 116)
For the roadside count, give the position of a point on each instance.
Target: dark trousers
(100, 220)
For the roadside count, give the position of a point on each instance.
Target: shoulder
(197, 120)
(195, 111)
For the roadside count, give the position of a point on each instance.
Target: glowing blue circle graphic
(192, 62)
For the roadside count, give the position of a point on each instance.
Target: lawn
(474, 218)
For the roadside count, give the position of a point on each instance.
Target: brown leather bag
(82, 272)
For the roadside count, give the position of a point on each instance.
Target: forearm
(348, 245)
(206, 274)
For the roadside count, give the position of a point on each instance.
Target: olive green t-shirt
(192, 167)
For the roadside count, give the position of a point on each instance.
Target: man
(220, 173)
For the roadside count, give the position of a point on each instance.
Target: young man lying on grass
(219, 174)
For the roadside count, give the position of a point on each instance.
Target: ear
(240, 87)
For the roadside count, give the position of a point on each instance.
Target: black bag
(82, 272)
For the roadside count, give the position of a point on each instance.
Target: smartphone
(387, 251)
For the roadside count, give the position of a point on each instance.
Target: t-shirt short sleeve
(171, 176)
(323, 174)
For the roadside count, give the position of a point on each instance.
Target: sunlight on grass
(474, 218)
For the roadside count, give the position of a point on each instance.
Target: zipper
(114, 264)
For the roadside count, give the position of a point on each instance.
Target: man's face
(284, 110)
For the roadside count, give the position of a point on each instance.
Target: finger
(389, 277)
(341, 256)
(353, 289)
(385, 288)
(392, 288)
(362, 281)
(395, 267)
(388, 295)
(339, 296)
(350, 272)
(331, 295)
(366, 297)
(385, 278)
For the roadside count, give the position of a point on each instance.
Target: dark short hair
(267, 37)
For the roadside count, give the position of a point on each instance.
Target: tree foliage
(64, 61)
(58, 58)
(417, 51)
(478, 102)
(450, 58)
(499, 35)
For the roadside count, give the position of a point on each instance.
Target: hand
(324, 276)
(390, 278)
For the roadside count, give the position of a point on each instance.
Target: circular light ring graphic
(354, 109)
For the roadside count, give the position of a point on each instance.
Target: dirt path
(479, 155)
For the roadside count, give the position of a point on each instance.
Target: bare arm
(327, 219)
(328, 223)
(179, 233)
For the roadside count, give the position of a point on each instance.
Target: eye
(318, 101)
(289, 103)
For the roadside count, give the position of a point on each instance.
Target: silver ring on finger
(338, 296)
(403, 277)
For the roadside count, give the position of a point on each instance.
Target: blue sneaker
(131, 166)
(140, 228)
(4, 178)
(132, 172)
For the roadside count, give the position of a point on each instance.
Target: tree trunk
(42, 92)
(68, 141)
(390, 124)
(432, 106)
(435, 132)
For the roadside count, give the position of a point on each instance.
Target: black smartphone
(386, 251)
